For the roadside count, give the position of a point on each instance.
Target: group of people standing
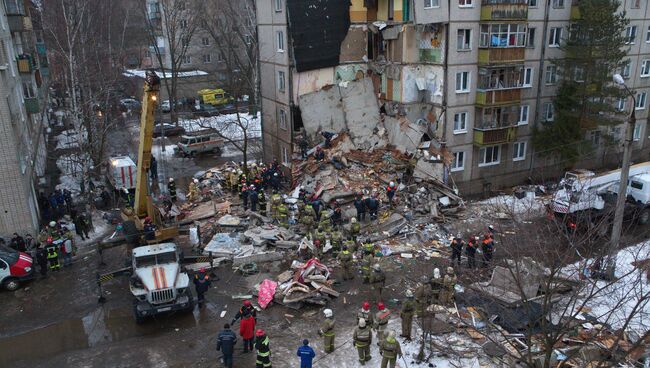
(472, 246)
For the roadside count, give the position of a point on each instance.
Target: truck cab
(159, 284)
(15, 267)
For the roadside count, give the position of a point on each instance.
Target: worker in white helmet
(327, 331)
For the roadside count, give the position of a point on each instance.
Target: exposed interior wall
(311, 81)
(354, 46)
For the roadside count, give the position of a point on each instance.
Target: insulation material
(318, 27)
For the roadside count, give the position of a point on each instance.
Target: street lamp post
(617, 227)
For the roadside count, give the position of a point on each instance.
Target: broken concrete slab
(257, 257)
(267, 234)
(403, 134)
(226, 244)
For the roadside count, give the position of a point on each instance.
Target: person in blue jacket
(226, 341)
(306, 354)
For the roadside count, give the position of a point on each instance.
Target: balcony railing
(14, 7)
(32, 105)
(504, 12)
(492, 136)
(19, 23)
(501, 55)
(25, 64)
(498, 96)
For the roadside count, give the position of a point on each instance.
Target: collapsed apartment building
(472, 77)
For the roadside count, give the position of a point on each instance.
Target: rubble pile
(305, 283)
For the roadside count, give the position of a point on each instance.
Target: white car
(165, 106)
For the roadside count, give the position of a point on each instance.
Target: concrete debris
(267, 234)
(306, 282)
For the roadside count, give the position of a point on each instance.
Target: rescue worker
(390, 350)
(276, 200)
(202, 285)
(261, 199)
(423, 295)
(247, 330)
(360, 206)
(283, 215)
(390, 192)
(327, 331)
(351, 245)
(408, 309)
(457, 245)
(447, 291)
(377, 280)
(362, 339)
(488, 249)
(226, 341)
(337, 216)
(337, 239)
(366, 314)
(306, 354)
(470, 251)
(355, 228)
(345, 259)
(436, 285)
(244, 195)
(319, 155)
(366, 264)
(372, 204)
(263, 359)
(193, 190)
(252, 197)
(248, 306)
(234, 181)
(307, 217)
(325, 223)
(381, 320)
(171, 188)
(41, 259)
(275, 181)
(52, 255)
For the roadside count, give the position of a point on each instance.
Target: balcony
(498, 96)
(32, 105)
(25, 64)
(501, 55)
(504, 12)
(19, 23)
(492, 136)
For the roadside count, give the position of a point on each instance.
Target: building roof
(141, 73)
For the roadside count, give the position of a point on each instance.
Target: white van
(122, 172)
(200, 142)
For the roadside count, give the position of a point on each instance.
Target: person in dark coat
(275, 181)
(252, 197)
(171, 187)
(44, 205)
(262, 345)
(247, 307)
(315, 204)
(306, 354)
(456, 249)
(337, 216)
(245, 196)
(488, 249)
(372, 204)
(153, 168)
(226, 341)
(54, 206)
(41, 259)
(470, 251)
(202, 284)
(18, 243)
(360, 205)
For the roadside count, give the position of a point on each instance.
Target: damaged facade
(470, 77)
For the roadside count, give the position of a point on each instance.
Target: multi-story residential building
(479, 72)
(23, 96)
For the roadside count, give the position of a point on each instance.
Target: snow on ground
(226, 125)
(68, 139)
(509, 204)
(157, 150)
(614, 302)
(72, 167)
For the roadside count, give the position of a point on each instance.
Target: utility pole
(617, 227)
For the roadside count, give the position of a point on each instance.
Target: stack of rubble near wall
(306, 283)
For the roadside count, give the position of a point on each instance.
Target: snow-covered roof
(142, 73)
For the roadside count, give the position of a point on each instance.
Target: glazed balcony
(504, 10)
(32, 105)
(498, 96)
(25, 64)
(492, 136)
(501, 55)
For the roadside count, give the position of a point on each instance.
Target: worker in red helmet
(248, 306)
(366, 314)
(381, 321)
(263, 359)
(202, 284)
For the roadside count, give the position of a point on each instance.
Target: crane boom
(149, 101)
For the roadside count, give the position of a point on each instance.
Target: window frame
(555, 37)
(630, 34)
(282, 119)
(278, 6)
(285, 156)
(620, 104)
(645, 68)
(455, 162)
(550, 78)
(431, 4)
(205, 41)
(467, 39)
(636, 134)
(523, 108)
(526, 76)
(466, 5)
(647, 35)
(535, 5)
(530, 38)
(209, 58)
(626, 68)
(466, 80)
(558, 4)
(483, 152)
(641, 98)
(502, 33)
(187, 59)
(281, 76)
(279, 41)
(519, 154)
(549, 109)
(462, 121)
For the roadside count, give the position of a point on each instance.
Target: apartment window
(530, 37)
(283, 119)
(620, 104)
(637, 132)
(462, 82)
(280, 40)
(595, 137)
(220, 58)
(518, 151)
(3, 56)
(207, 58)
(431, 4)
(187, 59)
(28, 90)
(503, 35)
(630, 34)
(464, 39)
(489, 156)
(465, 3)
(647, 35)
(532, 3)
(527, 77)
(285, 156)
(551, 74)
(549, 111)
(626, 69)
(523, 114)
(459, 161)
(281, 81)
(14, 7)
(636, 4)
(558, 3)
(460, 122)
(554, 37)
(278, 5)
(579, 74)
(645, 68)
(205, 41)
(183, 23)
(640, 100)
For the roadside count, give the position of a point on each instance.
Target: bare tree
(170, 26)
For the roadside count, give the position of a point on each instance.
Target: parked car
(204, 110)
(15, 267)
(130, 104)
(166, 106)
(170, 130)
(201, 141)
